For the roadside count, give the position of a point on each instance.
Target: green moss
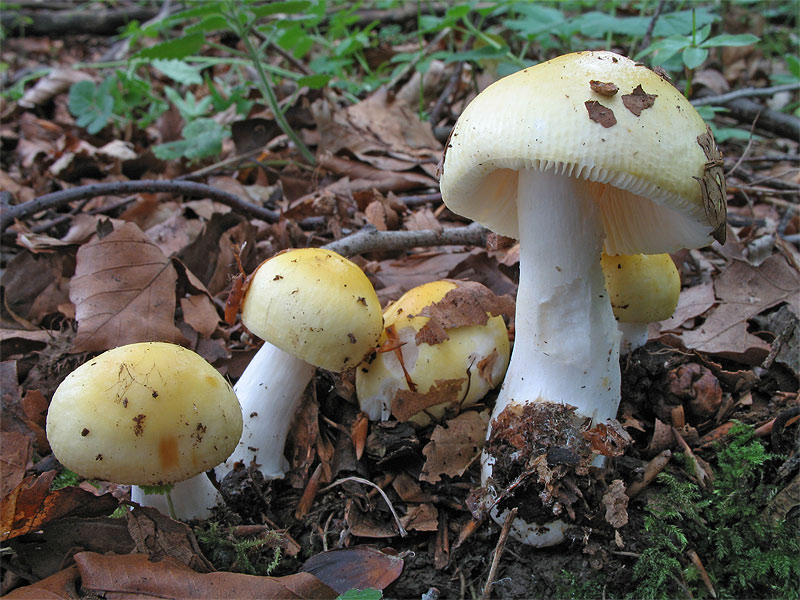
(744, 554)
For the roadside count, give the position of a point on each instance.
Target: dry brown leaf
(359, 567)
(744, 291)
(158, 536)
(124, 292)
(422, 219)
(452, 449)
(406, 404)
(31, 504)
(134, 575)
(363, 524)
(470, 303)
(421, 517)
(693, 302)
(199, 312)
(16, 451)
(61, 585)
(616, 502)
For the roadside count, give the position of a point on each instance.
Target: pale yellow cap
(658, 171)
(144, 414)
(642, 288)
(316, 305)
(477, 354)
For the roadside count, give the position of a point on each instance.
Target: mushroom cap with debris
(149, 413)
(601, 117)
(315, 305)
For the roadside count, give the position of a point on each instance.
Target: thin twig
(745, 93)
(401, 529)
(645, 41)
(369, 239)
(123, 188)
(452, 83)
(498, 552)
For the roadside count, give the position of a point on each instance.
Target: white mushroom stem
(566, 347)
(192, 499)
(269, 390)
(634, 335)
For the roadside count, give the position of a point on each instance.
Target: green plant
(64, 479)
(367, 594)
(744, 554)
(693, 48)
(239, 554)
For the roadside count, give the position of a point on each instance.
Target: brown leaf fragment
(486, 365)
(420, 517)
(61, 585)
(713, 187)
(604, 88)
(375, 214)
(200, 313)
(453, 448)
(158, 536)
(600, 114)
(470, 303)
(406, 403)
(123, 291)
(638, 100)
(15, 452)
(31, 504)
(134, 576)
(358, 567)
(368, 525)
(743, 291)
(616, 502)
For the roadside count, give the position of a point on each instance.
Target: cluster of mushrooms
(596, 164)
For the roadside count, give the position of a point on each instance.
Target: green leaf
(289, 7)
(202, 137)
(729, 39)
(694, 57)
(179, 71)
(208, 24)
(315, 82)
(177, 48)
(91, 106)
(367, 594)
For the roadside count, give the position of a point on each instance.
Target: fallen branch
(370, 239)
(498, 552)
(120, 188)
(653, 468)
(745, 93)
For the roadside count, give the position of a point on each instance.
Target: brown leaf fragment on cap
(406, 404)
(712, 186)
(616, 503)
(470, 303)
(638, 100)
(600, 114)
(604, 88)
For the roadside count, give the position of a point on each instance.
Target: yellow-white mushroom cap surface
(144, 414)
(643, 145)
(642, 288)
(477, 355)
(316, 305)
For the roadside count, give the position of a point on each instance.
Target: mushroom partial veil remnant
(643, 289)
(444, 346)
(147, 414)
(584, 153)
(313, 308)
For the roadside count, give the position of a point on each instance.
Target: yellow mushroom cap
(659, 184)
(643, 288)
(144, 414)
(316, 305)
(478, 354)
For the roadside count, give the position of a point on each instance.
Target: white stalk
(269, 390)
(566, 347)
(634, 335)
(192, 499)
